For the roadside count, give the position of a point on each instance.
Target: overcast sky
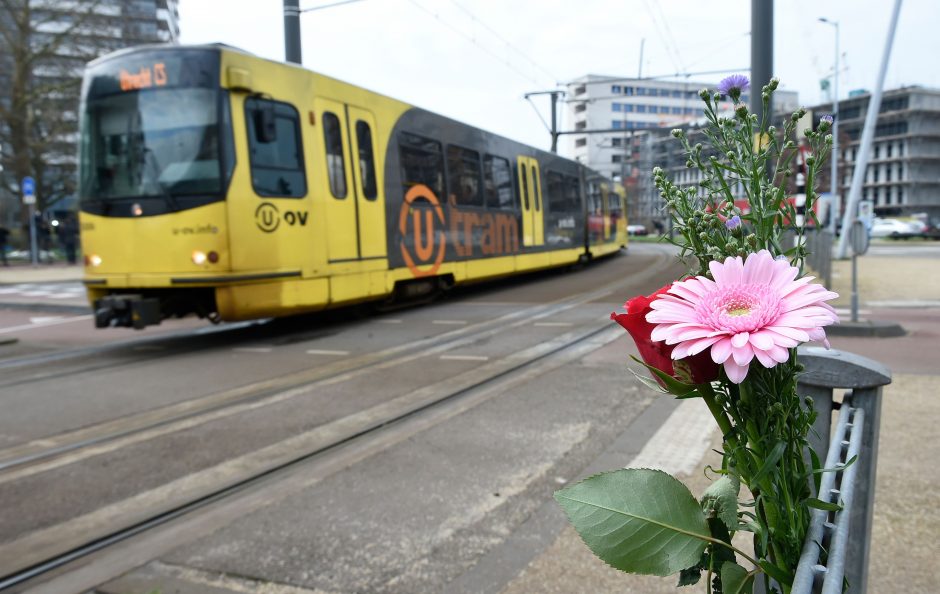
(473, 60)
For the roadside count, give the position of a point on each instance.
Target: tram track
(41, 454)
(34, 554)
(83, 536)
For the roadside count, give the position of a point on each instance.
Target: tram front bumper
(128, 311)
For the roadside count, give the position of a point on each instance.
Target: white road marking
(681, 442)
(37, 294)
(464, 358)
(553, 324)
(450, 322)
(50, 322)
(327, 352)
(389, 321)
(252, 349)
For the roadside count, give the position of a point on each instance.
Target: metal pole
(554, 123)
(868, 134)
(762, 54)
(854, 285)
(33, 242)
(292, 31)
(834, 200)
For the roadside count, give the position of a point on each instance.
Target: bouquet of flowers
(727, 333)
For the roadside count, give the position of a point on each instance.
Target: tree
(44, 45)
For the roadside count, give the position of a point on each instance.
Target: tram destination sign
(155, 69)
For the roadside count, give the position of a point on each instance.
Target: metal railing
(844, 535)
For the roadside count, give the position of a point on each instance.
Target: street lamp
(833, 184)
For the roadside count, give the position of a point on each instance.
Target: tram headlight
(199, 258)
(93, 260)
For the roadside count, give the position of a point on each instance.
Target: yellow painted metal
(530, 187)
(160, 245)
(370, 211)
(341, 232)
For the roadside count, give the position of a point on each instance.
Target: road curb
(873, 328)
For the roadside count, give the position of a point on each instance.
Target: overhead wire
(474, 41)
(503, 39)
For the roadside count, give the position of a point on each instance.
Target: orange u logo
(427, 237)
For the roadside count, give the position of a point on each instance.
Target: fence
(845, 535)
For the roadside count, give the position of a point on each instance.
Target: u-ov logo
(267, 217)
(419, 223)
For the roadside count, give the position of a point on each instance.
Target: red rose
(659, 354)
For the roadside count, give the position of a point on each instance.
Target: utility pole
(834, 201)
(292, 31)
(762, 54)
(554, 127)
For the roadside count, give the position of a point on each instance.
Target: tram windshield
(152, 143)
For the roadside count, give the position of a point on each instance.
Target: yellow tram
(217, 183)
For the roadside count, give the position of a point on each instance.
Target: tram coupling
(128, 311)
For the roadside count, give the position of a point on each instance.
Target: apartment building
(903, 173)
(610, 110)
(79, 31)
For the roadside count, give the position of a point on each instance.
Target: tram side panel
(459, 199)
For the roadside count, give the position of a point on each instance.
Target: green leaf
(673, 386)
(735, 579)
(649, 382)
(690, 576)
(722, 498)
(637, 520)
(783, 578)
(769, 462)
(823, 505)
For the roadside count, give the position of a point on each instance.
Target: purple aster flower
(826, 118)
(733, 85)
(733, 223)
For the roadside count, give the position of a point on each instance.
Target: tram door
(530, 188)
(355, 202)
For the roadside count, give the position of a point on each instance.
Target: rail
(845, 534)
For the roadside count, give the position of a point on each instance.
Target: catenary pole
(762, 54)
(868, 133)
(834, 200)
(292, 31)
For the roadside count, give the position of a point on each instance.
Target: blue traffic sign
(28, 186)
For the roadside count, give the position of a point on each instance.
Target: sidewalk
(20, 272)
(907, 504)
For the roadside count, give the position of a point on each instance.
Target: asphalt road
(435, 431)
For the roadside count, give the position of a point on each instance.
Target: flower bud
(829, 138)
(774, 83)
(772, 130)
(677, 133)
(730, 155)
(704, 94)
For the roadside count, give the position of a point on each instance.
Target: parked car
(636, 230)
(893, 228)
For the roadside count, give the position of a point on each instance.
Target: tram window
(497, 182)
(463, 176)
(421, 162)
(335, 167)
(555, 191)
(536, 188)
(276, 155)
(525, 187)
(572, 194)
(366, 160)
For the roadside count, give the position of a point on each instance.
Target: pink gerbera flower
(753, 309)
